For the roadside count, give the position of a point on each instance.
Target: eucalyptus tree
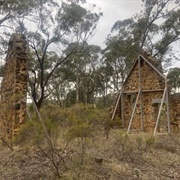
(11, 9)
(78, 71)
(55, 26)
(118, 57)
(88, 84)
(174, 78)
(154, 29)
(103, 84)
(10, 13)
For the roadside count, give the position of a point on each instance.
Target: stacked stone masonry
(14, 87)
(147, 78)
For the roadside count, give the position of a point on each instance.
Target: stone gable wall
(153, 85)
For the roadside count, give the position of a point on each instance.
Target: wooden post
(122, 109)
(159, 113)
(167, 107)
(29, 116)
(140, 89)
(132, 115)
(117, 102)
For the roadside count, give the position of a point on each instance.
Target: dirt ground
(122, 156)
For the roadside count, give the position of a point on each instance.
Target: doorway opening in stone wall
(162, 125)
(131, 98)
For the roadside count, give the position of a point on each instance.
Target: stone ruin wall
(14, 87)
(174, 102)
(153, 85)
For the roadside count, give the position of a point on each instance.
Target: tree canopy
(174, 78)
(65, 68)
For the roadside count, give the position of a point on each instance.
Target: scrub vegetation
(71, 144)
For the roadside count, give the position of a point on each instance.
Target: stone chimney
(14, 87)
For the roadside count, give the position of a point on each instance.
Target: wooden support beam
(132, 115)
(122, 109)
(144, 91)
(140, 89)
(41, 121)
(29, 116)
(153, 67)
(167, 107)
(117, 102)
(159, 113)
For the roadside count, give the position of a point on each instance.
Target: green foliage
(73, 14)
(140, 32)
(17, 7)
(132, 36)
(77, 124)
(79, 129)
(84, 121)
(69, 24)
(80, 121)
(80, 69)
(174, 78)
(54, 113)
(32, 132)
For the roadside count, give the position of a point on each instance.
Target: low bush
(131, 149)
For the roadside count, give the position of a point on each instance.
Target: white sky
(113, 10)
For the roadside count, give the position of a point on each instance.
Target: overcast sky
(113, 10)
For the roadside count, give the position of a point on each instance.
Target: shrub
(85, 121)
(131, 149)
(32, 132)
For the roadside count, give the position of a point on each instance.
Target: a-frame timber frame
(143, 97)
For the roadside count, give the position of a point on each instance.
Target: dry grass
(160, 160)
(89, 155)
